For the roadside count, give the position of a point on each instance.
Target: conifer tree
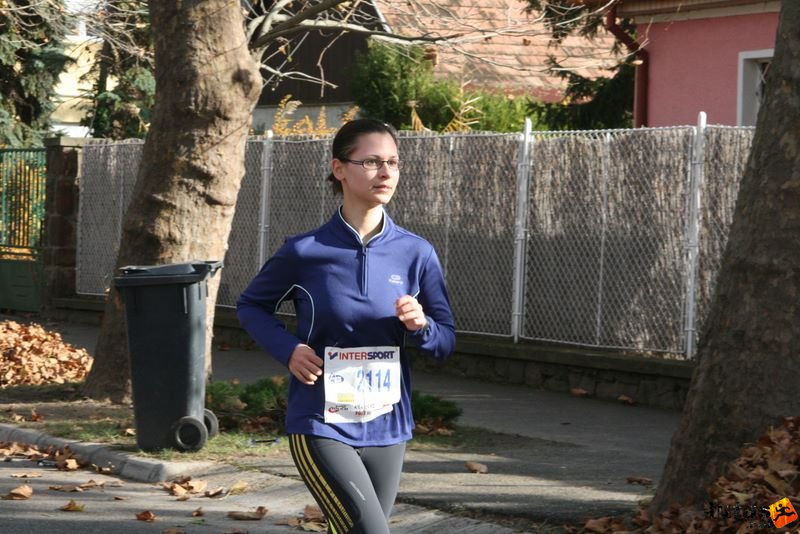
(31, 59)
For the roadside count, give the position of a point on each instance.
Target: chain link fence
(107, 177)
(606, 223)
(726, 153)
(571, 237)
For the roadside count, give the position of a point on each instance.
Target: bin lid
(170, 273)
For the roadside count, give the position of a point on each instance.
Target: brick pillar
(61, 219)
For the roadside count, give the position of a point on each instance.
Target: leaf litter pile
(765, 473)
(31, 355)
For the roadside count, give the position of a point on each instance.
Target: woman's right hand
(305, 365)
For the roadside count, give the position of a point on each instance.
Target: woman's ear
(337, 169)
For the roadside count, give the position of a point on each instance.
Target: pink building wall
(694, 65)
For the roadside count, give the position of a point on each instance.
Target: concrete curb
(121, 464)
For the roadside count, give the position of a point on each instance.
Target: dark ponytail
(346, 141)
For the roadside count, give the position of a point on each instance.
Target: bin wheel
(211, 422)
(189, 434)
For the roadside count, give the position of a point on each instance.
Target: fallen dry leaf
(118, 498)
(72, 506)
(216, 492)
(475, 467)
(26, 475)
(173, 531)
(130, 432)
(313, 520)
(313, 513)
(102, 470)
(780, 486)
(198, 513)
(314, 526)
(147, 516)
(20, 493)
(625, 399)
(67, 489)
(196, 486)
(239, 487)
(579, 392)
(256, 515)
(71, 464)
(742, 498)
(640, 480)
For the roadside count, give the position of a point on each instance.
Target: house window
(753, 67)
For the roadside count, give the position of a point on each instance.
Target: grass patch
(258, 407)
(251, 419)
(106, 431)
(433, 411)
(229, 447)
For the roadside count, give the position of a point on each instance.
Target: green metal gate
(22, 210)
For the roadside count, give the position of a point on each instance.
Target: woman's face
(368, 188)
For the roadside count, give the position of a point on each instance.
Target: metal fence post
(521, 232)
(603, 232)
(693, 232)
(447, 202)
(263, 216)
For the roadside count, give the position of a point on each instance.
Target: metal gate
(22, 211)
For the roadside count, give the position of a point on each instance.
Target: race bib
(361, 383)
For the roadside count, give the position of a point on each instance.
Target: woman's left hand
(410, 313)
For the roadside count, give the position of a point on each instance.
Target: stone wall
(61, 217)
(646, 379)
(609, 375)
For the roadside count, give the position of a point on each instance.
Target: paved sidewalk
(571, 463)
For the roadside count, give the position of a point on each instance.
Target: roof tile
(500, 45)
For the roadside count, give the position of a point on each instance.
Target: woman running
(363, 289)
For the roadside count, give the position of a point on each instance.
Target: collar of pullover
(350, 235)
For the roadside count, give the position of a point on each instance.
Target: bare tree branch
(309, 25)
(311, 12)
(296, 75)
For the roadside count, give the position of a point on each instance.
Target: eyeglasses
(373, 164)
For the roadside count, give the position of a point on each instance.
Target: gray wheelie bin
(165, 310)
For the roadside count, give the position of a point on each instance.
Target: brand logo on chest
(395, 279)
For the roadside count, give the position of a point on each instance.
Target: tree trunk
(748, 369)
(207, 85)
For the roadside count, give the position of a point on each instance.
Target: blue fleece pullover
(344, 294)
